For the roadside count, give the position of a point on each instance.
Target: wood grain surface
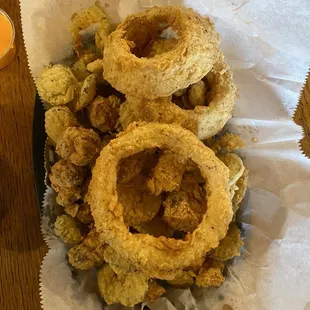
(21, 245)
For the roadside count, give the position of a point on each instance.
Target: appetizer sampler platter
(147, 184)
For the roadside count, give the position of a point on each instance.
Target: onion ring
(159, 257)
(189, 59)
(204, 121)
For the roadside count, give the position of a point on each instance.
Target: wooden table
(21, 244)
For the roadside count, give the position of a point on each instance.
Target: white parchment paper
(267, 44)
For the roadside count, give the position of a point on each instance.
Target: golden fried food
(155, 227)
(229, 247)
(96, 66)
(167, 174)
(68, 198)
(158, 47)
(155, 291)
(87, 92)
(103, 113)
(180, 92)
(66, 177)
(242, 184)
(228, 142)
(83, 214)
(66, 229)
(80, 69)
(159, 257)
(85, 18)
(57, 85)
(118, 263)
(131, 166)
(185, 208)
(197, 94)
(79, 146)
(211, 274)
(87, 254)
(165, 73)
(139, 206)
(204, 121)
(104, 30)
(127, 289)
(234, 164)
(71, 209)
(57, 120)
(183, 279)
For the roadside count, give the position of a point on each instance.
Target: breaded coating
(57, 85)
(79, 146)
(204, 121)
(108, 213)
(211, 274)
(167, 174)
(158, 47)
(96, 66)
(229, 142)
(154, 292)
(176, 67)
(131, 166)
(118, 263)
(235, 165)
(197, 94)
(66, 229)
(139, 205)
(184, 209)
(87, 254)
(155, 227)
(242, 184)
(87, 92)
(79, 68)
(103, 33)
(229, 247)
(180, 92)
(67, 199)
(183, 279)
(103, 113)
(65, 177)
(84, 214)
(85, 18)
(57, 120)
(71, 209)
(127, 289)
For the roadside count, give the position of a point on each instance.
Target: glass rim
(13, 32)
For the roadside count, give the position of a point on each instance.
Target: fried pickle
(127, 289)
(210, 274)
(235, 165)
(57, 85)
(80, 146)
(66, 177)
(197, 94)
(87, 254)
(57, 120)
(66, 229)
(139, 205)
(103, 113)
(184, 209)
(167, 174)
(229, 247)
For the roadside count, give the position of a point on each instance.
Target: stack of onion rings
(204, 121)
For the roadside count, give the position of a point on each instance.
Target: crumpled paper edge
(307, 80)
